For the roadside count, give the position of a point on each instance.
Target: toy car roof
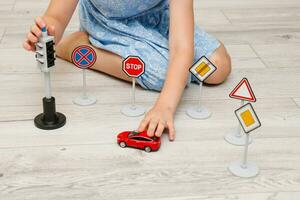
(142, 134)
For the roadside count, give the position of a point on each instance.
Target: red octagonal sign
(133, 66)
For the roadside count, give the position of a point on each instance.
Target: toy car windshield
(133, 133)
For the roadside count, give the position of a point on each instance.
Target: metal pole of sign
(239, 128)
(84, 99)
(84, 93)
(200, 95)
(244, 168)
(244, 163)
(133, 110)
(198, 111)
(133, 93)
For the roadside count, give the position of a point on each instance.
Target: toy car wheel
(122, 144)
(148, 149)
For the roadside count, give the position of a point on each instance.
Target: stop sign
(133, 66)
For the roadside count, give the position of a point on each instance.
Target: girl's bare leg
(107, 62)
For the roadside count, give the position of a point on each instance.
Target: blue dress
(139, 28)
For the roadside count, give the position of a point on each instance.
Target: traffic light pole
(47, 85)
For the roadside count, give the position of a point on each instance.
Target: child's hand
(35, 32)
(158, 119)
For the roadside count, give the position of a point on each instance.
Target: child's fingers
(143, 124)
(32, 38)
(160, 129)
(27, 46)
(171, 131)
(32, 46)
(152, 127)
(40, 22)
(36, 30)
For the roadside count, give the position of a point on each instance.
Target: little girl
(161, 32)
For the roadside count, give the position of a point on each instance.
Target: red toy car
(139, 140)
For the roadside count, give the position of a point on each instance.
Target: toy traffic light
(45, 56)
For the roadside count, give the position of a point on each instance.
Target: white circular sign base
(133, 110)
(248, 171)
(196, 113)
(85, 100)
(235, 139)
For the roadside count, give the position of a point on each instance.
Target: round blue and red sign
(84, 57)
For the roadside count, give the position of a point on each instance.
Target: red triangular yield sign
(243, 91)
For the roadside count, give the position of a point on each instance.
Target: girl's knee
(66, 46)
(221, 59)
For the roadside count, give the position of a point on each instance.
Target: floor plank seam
(14, 5)
(3, 34)
(258, 56)
(17, 120)
(298, 106)
(228, 19)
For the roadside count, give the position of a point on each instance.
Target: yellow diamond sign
(202, 69)
(247, 118)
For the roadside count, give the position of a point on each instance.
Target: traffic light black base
(49, 119)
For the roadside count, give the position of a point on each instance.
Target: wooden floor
(83, 161)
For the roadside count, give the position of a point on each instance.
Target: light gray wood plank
(14, 37)
(279, 55)
(235, 34)
(220, 4)
(102, 121)
(26, 62)
(7, 2)
(8, 18)
(71, 172)
(264, 15)
(241, 51)
(247, 63)
(6, 7)
(31, 6)
(243, 56)
(256, 196)
(210, 17)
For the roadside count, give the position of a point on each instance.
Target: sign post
(202, 69)
(242, 92)
(249, 122)
(134, 67)
(84, 57)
